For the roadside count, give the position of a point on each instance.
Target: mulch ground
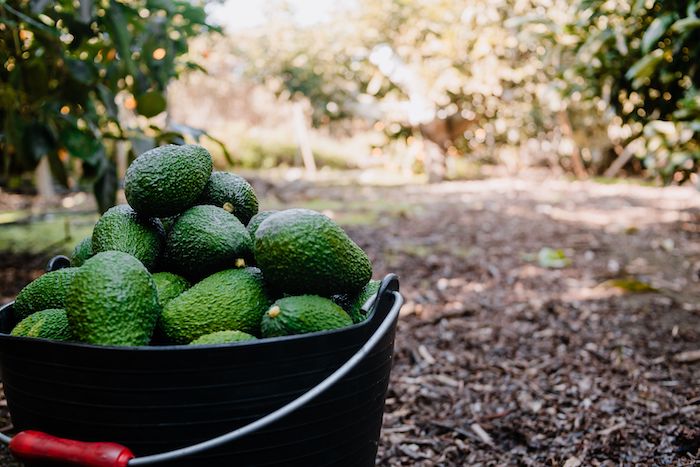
(500, 361)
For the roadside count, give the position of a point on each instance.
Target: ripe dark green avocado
(169, 286)
(304, 252)
(122, 229)
(352, 304)
(112, 301)
(167, 180)
(234, 299)
(256, 220)
(302, 314)
(231, 192)
(223, 337)
(82, 252)
(45, 324)
(206, 239)
(45, 292)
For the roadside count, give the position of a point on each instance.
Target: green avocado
(232, 193)
(122, 229)
(256, 220)
(304, 252)
(303, 314)
(167, 180)
(206, 239)
(352, 304)
(82, 252)
(113, 301)
(46, 324)
(230, 300)
(222, 337)
(169, 286)
(45, 292)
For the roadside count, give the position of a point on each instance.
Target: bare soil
(501, 361)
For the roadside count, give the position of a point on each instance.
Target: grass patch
(625, 181)
(56, 235)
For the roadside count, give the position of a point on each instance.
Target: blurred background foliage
(80, 79)
(593, 87)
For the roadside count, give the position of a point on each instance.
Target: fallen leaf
(630, 284)
(552, 259)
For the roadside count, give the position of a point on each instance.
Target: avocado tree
(79, 77)
(641, 60)
(450, 74)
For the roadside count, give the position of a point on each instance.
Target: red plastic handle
(37, 446)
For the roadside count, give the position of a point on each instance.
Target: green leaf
(107, 98)
(105, 187)
(644, 67)
(630, 284)
(150, 104)
(30, 20)
(685, 25)
(166, 5)
(39, 141)
(80, 71)
(117, 26)
(35, 77)
(58, 168)
(82, 145)
(224, 149)
(656, 30)
(190, 65)
(8, 22)
(552, 259)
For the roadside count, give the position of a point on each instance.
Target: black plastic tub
(156, 399)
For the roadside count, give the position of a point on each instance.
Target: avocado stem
(273, 312)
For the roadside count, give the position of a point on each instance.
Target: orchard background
(528, 167)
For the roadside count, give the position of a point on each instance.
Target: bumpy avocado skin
(223, 337)
(167, 180)
(206, 239)
(231, 192)
(82, 252)
(304, 252)
(113, 301)
(303, 314)
(45, 324)
(46, 292)
(352, 304)
(234, 299)
(256, 220)
(122, 229)
(169, 286)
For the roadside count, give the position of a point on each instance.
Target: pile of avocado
(190, 260)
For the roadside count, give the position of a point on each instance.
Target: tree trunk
(44, 180)
(576, 161)
(121, 152)
(435, 161)
(301, 133)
